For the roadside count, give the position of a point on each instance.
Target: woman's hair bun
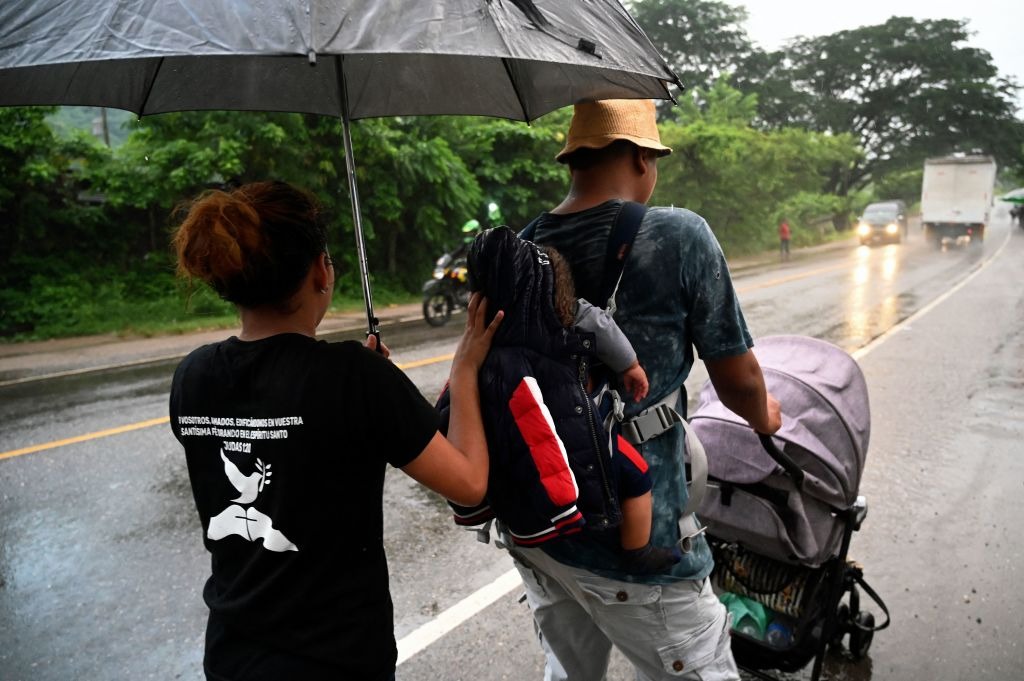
(253, 245)
(219, 235)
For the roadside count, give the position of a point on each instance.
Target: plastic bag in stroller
(781, 510)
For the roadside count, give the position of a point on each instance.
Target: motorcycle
(448, 288)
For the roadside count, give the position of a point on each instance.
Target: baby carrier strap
(652, 422)
(620, 242)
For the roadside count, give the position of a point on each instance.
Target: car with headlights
(883, 222)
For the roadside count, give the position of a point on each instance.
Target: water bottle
(779, 635)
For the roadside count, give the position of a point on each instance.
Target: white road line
(417, 640)
(451, 618)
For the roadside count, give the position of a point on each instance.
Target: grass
(85, 306)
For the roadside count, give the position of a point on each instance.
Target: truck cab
(883, 222)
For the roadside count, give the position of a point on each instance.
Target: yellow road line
(425, 362)
(160, 421)
(792, 277)
(84, 438)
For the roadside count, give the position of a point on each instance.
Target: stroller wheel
(860, 640)
(842, 624)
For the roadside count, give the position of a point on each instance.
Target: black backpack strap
(620, 242)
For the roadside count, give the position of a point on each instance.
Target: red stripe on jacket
(538, 430)
(630, 452)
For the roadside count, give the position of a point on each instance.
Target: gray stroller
(780, 511)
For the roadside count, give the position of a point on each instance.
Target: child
(548, 447)
(614, 351)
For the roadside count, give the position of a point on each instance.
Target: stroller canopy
(826, 420)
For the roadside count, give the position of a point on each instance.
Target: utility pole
(106, 127)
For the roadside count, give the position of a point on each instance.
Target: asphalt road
(101, 560)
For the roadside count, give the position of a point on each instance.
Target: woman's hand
(371, 343)
(476, 339)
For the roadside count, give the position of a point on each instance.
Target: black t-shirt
(286, 441)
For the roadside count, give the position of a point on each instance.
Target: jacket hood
(516, 277)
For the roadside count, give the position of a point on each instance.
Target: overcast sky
(998, 25)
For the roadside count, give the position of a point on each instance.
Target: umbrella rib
(515, 88)
(149, 90)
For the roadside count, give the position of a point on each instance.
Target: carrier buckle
(686, 535)
(648, 424)
(483, 532)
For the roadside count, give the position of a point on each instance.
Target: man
(675, 294)
(784, 239)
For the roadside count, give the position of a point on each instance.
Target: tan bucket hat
(595, 125)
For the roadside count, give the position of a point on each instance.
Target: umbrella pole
(371, 320)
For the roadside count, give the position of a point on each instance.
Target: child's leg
(635, 532)
(639, 556)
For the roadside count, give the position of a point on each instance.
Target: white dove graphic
(248, 486)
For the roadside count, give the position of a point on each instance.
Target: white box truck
(956, 197)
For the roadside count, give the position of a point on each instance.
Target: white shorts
(674, 631)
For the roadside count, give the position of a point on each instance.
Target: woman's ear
(323, 272)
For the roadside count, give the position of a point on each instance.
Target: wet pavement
(101, 562)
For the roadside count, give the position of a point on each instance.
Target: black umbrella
(517, 59)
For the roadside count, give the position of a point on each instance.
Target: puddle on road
(864, 322)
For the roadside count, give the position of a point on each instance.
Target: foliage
(905, 89)
(514, 163)
(701, 39)
(68, 121)
(417, 190)
(809, 215)
(721, 104)
(740, 178)
(43, 209)
(900, 184)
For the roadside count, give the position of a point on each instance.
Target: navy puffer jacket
(549, 463)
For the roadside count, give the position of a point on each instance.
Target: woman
(286, 440)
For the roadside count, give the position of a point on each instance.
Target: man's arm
(740, 386)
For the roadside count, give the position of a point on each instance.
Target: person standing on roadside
(675, 295)
(784, 236)
(287, 439)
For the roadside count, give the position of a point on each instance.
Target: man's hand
(774, 421)
(740, 386)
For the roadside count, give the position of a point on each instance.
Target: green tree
(739, 178)
(906, 89)
(39, 188)
(415, 192)
(700, 39)
(721, 103)
(514, 163)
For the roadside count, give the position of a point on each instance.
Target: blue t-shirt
(676, 295)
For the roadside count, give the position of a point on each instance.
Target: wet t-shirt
(675, 296)
(286, 441)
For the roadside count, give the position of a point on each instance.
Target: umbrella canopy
(516, 59)
(1015, 196)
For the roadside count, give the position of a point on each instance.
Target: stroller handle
(781, 458)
